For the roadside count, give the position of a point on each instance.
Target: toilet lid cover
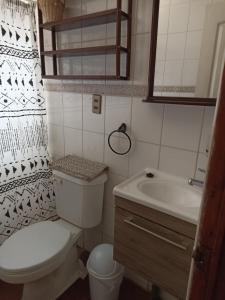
(34, 246)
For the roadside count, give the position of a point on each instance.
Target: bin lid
(100, 261)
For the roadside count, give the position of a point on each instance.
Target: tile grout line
(166, 48)
(105, 99)
(161, 135)
(82, 94)
(185, 47)
(64, 138)
(200, 138)
(133, 40)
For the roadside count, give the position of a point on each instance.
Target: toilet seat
(33, 252)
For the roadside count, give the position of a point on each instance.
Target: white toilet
(44, 256)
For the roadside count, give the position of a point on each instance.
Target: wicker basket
(52, 10)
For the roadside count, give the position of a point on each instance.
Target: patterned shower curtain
(26, 191)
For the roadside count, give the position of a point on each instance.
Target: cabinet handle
(130, 222)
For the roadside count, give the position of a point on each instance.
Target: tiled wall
(169, 137)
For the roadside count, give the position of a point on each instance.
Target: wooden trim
(118, 38)
(129, 31)
(54, 49)
(152, 63)
(98, 50)
(93, 19)
(183, 100)
(41, 42)
(207, 280)
(88, 77)
(219, 290)
(153, 47)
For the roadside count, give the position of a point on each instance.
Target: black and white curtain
(26, 191)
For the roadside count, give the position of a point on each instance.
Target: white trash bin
(105, 274)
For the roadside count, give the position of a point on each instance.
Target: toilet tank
(77, 201)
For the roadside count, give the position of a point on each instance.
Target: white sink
(164, 192)
(175, 194)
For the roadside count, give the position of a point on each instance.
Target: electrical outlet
(97, 104)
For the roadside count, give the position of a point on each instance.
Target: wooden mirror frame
(151, 77)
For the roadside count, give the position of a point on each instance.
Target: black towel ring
(122, 129)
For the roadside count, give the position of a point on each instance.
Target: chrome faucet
(193, 181)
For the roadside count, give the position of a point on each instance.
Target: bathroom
(145, 88)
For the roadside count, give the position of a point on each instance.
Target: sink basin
(175, 194)
(164, 192)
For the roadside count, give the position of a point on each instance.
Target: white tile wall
(177, 161)
(56, 140)
(118, 110)
(143, 154)
(118, 164)
(173, 72)
(207, 129)
(182, 127)
(193, 46)
(165, 136)
(72, 109)
(169, 137)
(143, 21)
(178, 20)
(172, 138)
(164, 13)
(176, 46)
(147, 121)
(142, 46)
(197, 15)
(73, 141)
(93, 146)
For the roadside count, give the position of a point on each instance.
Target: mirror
(187, 51)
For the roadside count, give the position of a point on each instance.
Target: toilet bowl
(34, 252)
(44, 256)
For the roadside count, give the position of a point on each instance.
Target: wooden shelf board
(84, 77)
(99, 50)
(181, 100)
(98, 18)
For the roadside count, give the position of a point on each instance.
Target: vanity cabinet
(155, 245)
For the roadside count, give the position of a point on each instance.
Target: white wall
(172, 138)
(169, 137)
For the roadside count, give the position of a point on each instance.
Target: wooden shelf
(98, 18)
(84, 77)
(115, 15)
(99, 50)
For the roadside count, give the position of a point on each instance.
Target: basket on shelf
(52, 10)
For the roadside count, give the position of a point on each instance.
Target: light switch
(97, 104)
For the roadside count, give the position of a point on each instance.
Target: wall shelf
(99, 50)
(116, 16)
(98, 18)
(85, 77)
